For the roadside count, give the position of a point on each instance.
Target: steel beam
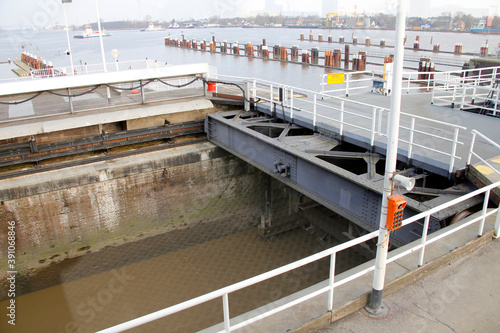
(354, 197)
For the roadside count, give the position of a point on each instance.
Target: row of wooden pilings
(416, 44)
(425, 66)
(367, 42)
(35, 62)
(277, 52)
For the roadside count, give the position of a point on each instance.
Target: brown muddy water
(111, 297)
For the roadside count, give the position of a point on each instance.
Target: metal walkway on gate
(300, 137)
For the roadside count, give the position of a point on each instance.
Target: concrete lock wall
(68, 212)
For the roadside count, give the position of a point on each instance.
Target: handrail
(471, 152)
(411, 80)
(264, 91)
(332, 284)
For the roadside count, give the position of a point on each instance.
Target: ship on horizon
(89, 33)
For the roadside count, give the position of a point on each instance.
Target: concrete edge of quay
(312, 315)
(397, 284)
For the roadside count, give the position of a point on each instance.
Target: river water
(124, 293)
(136, 45)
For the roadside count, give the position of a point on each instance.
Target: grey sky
(48, 12)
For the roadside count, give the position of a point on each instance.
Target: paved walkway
(460, 297)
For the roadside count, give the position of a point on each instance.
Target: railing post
(423, 241)
(433, 91)
(225, 309)
(497, 224)
(347, 84)
(454, 96)
(315, 116)
(483, 212)
(454, 150)
(331, 281)
(143, 98)
(374, 126)
(246, 96)
(291, 104)
(254, 93)
(342, 118)
(473, 141)
(323, 83)
(410, 140)
(70, 100)
(271, 95)
(409, 80)
(462, 101)
(379, 129)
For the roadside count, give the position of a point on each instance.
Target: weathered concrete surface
(64, 212)
(459, 297)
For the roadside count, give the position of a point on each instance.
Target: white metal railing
(80, 69)
(348, 117)
(332, 252)
(128, 87)
(473, 153)
(412, 81)
(464, 93)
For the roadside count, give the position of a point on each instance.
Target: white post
(497, 224)
(410, 140)
(347, 84)
(102, 47)
(67, 37)
(225, 309)
(291, 103)
(342, 118)
(331, 282)
(483, 213)
(454, 150)
(375, 306)
(423, 241)
(474, 133)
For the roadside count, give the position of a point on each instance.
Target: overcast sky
(25, 13)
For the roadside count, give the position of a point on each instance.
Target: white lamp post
(102, 47)
(67, 36)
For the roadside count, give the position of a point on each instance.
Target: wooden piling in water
(314, 55)
(346, 57)
(295, 53)
(305, 57)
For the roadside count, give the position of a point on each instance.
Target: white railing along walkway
(412, 81)
(347, 117)
(80, 69)
(473, 153)
(223, 293)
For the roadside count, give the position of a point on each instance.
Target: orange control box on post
(397, 204)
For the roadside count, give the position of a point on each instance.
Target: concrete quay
(456, 298)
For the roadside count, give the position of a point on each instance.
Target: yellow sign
(335, 78)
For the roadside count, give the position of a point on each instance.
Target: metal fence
(81, 69)
(348, 117)
(449, 82)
